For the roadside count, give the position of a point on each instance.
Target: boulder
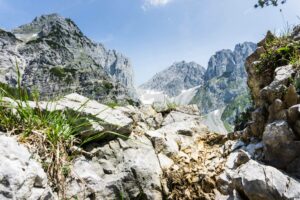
(257, 126)
(168, 138)
(21, 177)
(151, 117)
(236, 159)
(280, 147)
(293, 117)
(277, 88)
(114, 119)
(291, 96)
(276, 111)
(176, 116)
(188, 109)
(296, 127)
(256, 181)
(160, 107)
(122, 168)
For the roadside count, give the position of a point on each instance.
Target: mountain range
(221, 86)
(51, 55)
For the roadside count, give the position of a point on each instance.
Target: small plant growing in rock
(112, 104)
(279, 51)
(171, 106)
(50, 134)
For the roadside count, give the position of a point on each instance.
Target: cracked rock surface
(21, 177)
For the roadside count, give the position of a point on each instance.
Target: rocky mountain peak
(56, 58)
(46, 23)
(228, 61)
(245, 49)
(178, 77)
(7, 38)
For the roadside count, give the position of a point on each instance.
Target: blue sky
(156, 33)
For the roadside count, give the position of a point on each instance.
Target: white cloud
(158, 2)
(153, 3)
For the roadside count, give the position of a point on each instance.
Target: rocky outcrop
(156, 147)
(56, 58)
(257, 181)
(21, 177)
(162, 152)
(253, 180)
(272, 172)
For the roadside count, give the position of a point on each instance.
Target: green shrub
(242, 119)
(58, 71)
(279, 51)
(65, 74)
(112, 104)
(171, 106)
(107, 85)
(237, 106)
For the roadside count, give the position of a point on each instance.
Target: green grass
(107, 85)
(171, 106)
(234, 108)
(228, 127)
(112, 104)
(50, 133)
(279, 51)
(62, 72)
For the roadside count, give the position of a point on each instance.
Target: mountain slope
(172, 81)
(56, 58)
(225, 81)
(221, 87)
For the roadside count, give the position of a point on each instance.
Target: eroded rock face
(56, 58)
(280, 145)
(135, 167)
(21, 177)
(257, 181)
(274, 124)
(130, 168)
(254, 81)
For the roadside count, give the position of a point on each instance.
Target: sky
(156, 33)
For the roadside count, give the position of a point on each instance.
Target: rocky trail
(167, 154)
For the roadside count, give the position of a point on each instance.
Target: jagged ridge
(56, 58)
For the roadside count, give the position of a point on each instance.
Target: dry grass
(193, 174)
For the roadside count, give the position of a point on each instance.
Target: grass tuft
(49, 134)
(279, 51)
